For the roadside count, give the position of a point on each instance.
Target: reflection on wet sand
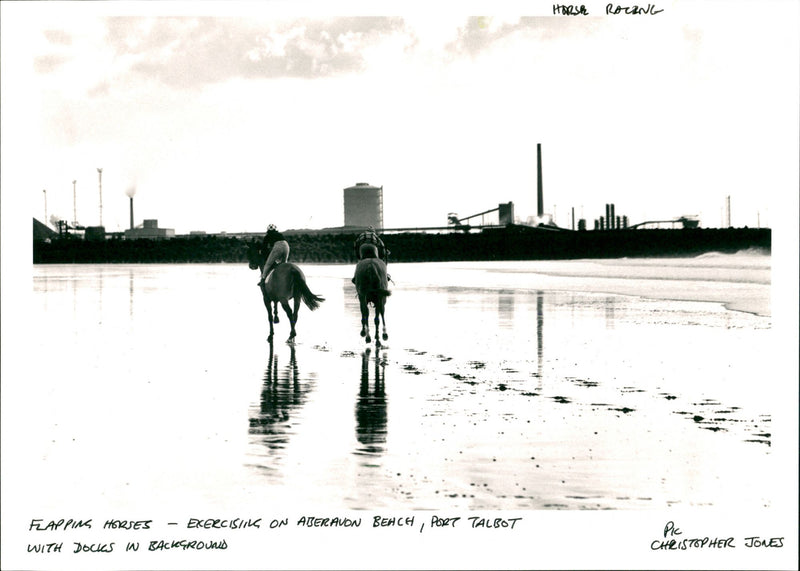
(539, 335)
(609, 304)
(371, 416)
(505, 308)
(130, 293)
(281, 395)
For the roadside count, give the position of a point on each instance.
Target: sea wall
(511, 243)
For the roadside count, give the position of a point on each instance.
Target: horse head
(255, 257)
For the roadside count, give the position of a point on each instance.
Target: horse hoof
(276, 320)
(368, 339)
(385, 336)
(377, 343)
(364, 334)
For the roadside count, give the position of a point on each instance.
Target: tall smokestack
(130, 192)
(728, 211)
(539, 192)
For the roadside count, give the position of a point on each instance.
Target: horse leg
(288, 310)
(276, 312)
(383, 319)
(364, 319)
(377, 323)
(269, 315)
(296, 312)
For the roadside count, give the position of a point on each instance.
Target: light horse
(285, 282)
(372, 286)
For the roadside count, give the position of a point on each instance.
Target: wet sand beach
(503, 386)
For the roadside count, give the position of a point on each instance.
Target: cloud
(59, 37)
(476, 35)
(49, 63)
(479, 33)
(193, 52)
(59, 43)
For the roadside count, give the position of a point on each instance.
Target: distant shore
(507, 243)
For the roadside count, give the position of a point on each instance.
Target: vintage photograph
(384, 286)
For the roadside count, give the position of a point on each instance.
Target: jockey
(278, 249)
(370, 237)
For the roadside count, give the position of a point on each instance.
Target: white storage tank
(363, 205)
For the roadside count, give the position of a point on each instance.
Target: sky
(229, 118)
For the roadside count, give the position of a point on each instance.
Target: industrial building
(505, 216)
(42, 232)
(363, 205)
(150, 230)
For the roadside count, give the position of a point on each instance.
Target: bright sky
(263, 113)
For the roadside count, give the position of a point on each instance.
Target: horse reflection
(282, 394)
(371, 416)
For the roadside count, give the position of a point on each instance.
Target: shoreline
(644, 278)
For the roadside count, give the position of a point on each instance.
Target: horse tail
(379, 271)
(311, 300)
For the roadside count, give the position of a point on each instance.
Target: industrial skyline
(444, 112)
(363, 206)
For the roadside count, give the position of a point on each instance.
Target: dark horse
(372, 286)
(285, 282)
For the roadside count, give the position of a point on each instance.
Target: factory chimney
(130, 192)
(728, 211)
(539, 193)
